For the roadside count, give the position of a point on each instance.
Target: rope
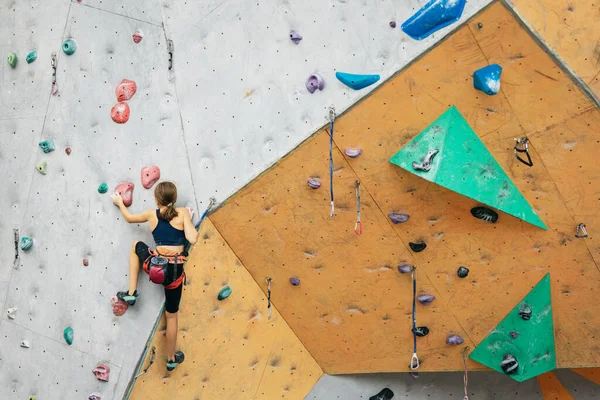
(331, 119)
(358, 226)
(414, 361)
(466, 378)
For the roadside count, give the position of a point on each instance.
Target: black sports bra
(165, 235)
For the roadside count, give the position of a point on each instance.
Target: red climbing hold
(119, 306)
(138, 36)
(102, 371)
(126, 191)
(150, 175)
(86, 262)
(125, 90)
(68, 151)
(120, 112)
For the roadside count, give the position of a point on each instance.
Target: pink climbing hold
(126, 191)
(86, 262)
(125, 90)
(102, 371)
(119, 306)
(150, 175)
(137, 36)
(68, 151)
(120, 112)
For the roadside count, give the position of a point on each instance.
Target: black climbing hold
(509, 364)
(525, 312)
(479, 25)
(421, 331)
(392, 24)
(385, 394)
(462, 272)
(514, 335)
(485, 214)
(417, 247)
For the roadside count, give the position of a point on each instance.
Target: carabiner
(331, 113)
(358, 226)
(580, 231)
(522, 146)
(414, 362)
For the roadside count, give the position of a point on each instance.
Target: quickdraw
(331, 120)
(414, 361)
(522, 146)
(465, 355)
(16, 262)
(150, 362)
(358, 226)
(269, 296)
(54, 89)
(580, 231)
(170, 49)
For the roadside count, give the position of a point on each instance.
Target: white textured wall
(204, 129)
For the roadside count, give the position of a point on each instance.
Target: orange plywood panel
(572, 29)
(232, 349)
(352, 309)
(535, 86)
(551, 387)
(591, 374)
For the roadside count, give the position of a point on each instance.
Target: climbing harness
(150, 362)
(358, 226)
(331, 119)
(54, 88)
(464, 354)
(580, 231)
(414, 361)
(16, 262)
(170, 48)
(522, 146)
(269, 296)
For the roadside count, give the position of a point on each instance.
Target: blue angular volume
(356, 82)
(487, 79)
(435, 15)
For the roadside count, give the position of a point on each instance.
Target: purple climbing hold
(352, 152)
(404, 268)
(514, 335)
(94, 397)
(314, 183)
(314, 82)
(295, 36)
(415, 375)
(398, 218)
(426, 299)
(392, 24)
(295, 281)
(454, 340)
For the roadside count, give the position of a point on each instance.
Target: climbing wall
(361, 323)
(234, 349)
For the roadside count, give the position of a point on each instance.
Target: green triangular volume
(533, 347)
(464, 165)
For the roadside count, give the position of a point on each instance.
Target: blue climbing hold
(47, 145)
(435, 15)
(487, 79)
(26, 243)
(356, 82)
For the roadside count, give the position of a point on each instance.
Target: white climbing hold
(12, 312)
(24, 343)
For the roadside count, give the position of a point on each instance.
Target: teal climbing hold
(47, 145)
(522, 347)
(31, 57)
(68, 334)
(224, 293)
(69, 46)
(433, 16)
(451, 155)
(26, 243)
(12, 59)
(487, 79)
(41, 167)
(356, 82)
(103, 188)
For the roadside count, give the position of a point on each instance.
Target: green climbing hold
(451, 155)
(47, 145)
(68, 334)
(26, 243)
(529, 342)
(103, 188)
(31, 57)
(224, 293)
(69, 46)
(12, 59)
(41, 167)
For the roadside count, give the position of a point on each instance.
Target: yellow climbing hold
(41, 167)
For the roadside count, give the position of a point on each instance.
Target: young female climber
(170, 227)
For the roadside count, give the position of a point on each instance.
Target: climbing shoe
(128, 298)
(485, 214)
(385, 394)
(179, 357)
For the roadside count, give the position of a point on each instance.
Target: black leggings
(172, 296)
